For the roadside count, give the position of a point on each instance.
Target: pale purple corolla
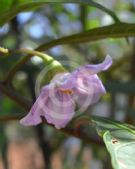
(58, 100)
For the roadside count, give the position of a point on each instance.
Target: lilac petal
(85, 71)
(88, 90)
(59, 109)
(68, 80)
(63, 80)
(69, 83)
(33, 117)
(94, 69)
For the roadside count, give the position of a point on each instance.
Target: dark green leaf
(112, 31)
(10, 8)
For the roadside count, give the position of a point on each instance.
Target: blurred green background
(22, 147)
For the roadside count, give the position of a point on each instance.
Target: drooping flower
(57, 100)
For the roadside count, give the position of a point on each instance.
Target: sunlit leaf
(10, 8)
(119, 139)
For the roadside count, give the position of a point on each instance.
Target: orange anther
(67, 91)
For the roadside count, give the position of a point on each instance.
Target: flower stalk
(48, 60)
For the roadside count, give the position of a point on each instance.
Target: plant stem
(46, 58)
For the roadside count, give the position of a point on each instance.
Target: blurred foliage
(78, 32)
(13, 7)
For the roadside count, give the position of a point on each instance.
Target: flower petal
(69, 83)
(33, 117)
(88, 90)
(59, 109)
(63, 80)
(85, 71)
(55, 102)
(94, 69)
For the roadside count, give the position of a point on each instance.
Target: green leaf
(112, 31)
(5, 5)
(10, 8)
(119, 139)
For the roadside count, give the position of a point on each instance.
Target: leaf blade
(11, 8)
(120, 141)
(112, 31)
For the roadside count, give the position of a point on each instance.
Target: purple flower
(57, 101)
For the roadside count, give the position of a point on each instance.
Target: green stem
(30, 53)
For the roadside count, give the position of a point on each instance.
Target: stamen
(67, 91)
